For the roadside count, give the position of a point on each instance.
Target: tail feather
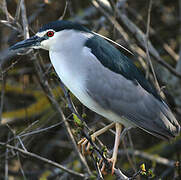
(166, 125)
(171, 123)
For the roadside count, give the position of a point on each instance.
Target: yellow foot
(84, 145)
(110, 160)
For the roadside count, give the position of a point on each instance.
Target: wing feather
(124, 97)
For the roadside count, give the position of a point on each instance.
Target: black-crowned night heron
(103, 79)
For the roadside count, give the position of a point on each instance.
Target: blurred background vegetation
(29, 121)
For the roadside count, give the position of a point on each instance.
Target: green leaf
(150, 173)
(84, 115)
(77, 120)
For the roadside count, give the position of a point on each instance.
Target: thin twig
(9, 24)
(154, 158)
(128, 156)
(99, 174)
(17, 153)
(2, 94)
(147, 50)
(133, 160)
(35, 156)
(65, 10)
(17, 14)
(21, 168)
(22, 145)
(40, 130)
(21, 133)
(6, 162)
(4, 8)
(24, 20)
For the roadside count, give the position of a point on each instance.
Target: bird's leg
(119, 136)
(113, 159)
(116, 146)
(82, 143)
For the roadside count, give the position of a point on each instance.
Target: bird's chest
(72, 72)
(69, 71)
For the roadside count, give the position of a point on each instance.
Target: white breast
(73, 75)
(70, 64)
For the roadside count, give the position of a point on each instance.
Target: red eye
(50, 33)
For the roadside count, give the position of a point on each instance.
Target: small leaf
(143, 173)
(142, 166)
(91, 148)
(84, 115)
(104, 149)
(77, 120)
(44, 175)
(150, 173)
(143, 169)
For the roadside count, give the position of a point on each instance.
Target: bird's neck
(68, 68)
(70, 41)
(68, 59)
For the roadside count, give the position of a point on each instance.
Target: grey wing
(127, 98)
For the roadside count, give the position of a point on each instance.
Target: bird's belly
(86, 100)
(80, 92)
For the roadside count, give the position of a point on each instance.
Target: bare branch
(5, 10)
(155, 158)
(18, 10)
(147, 50)
(6, 163)
(35, 156)
(65, 9)
(2, 94)
(25, 20)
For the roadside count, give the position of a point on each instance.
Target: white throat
(68, 58)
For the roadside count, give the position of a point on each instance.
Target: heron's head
(50, 35)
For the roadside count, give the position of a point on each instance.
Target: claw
(83, 142)
(84, 146)
(80, 143)
(112, 161)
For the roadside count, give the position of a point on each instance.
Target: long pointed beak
(32, 42)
